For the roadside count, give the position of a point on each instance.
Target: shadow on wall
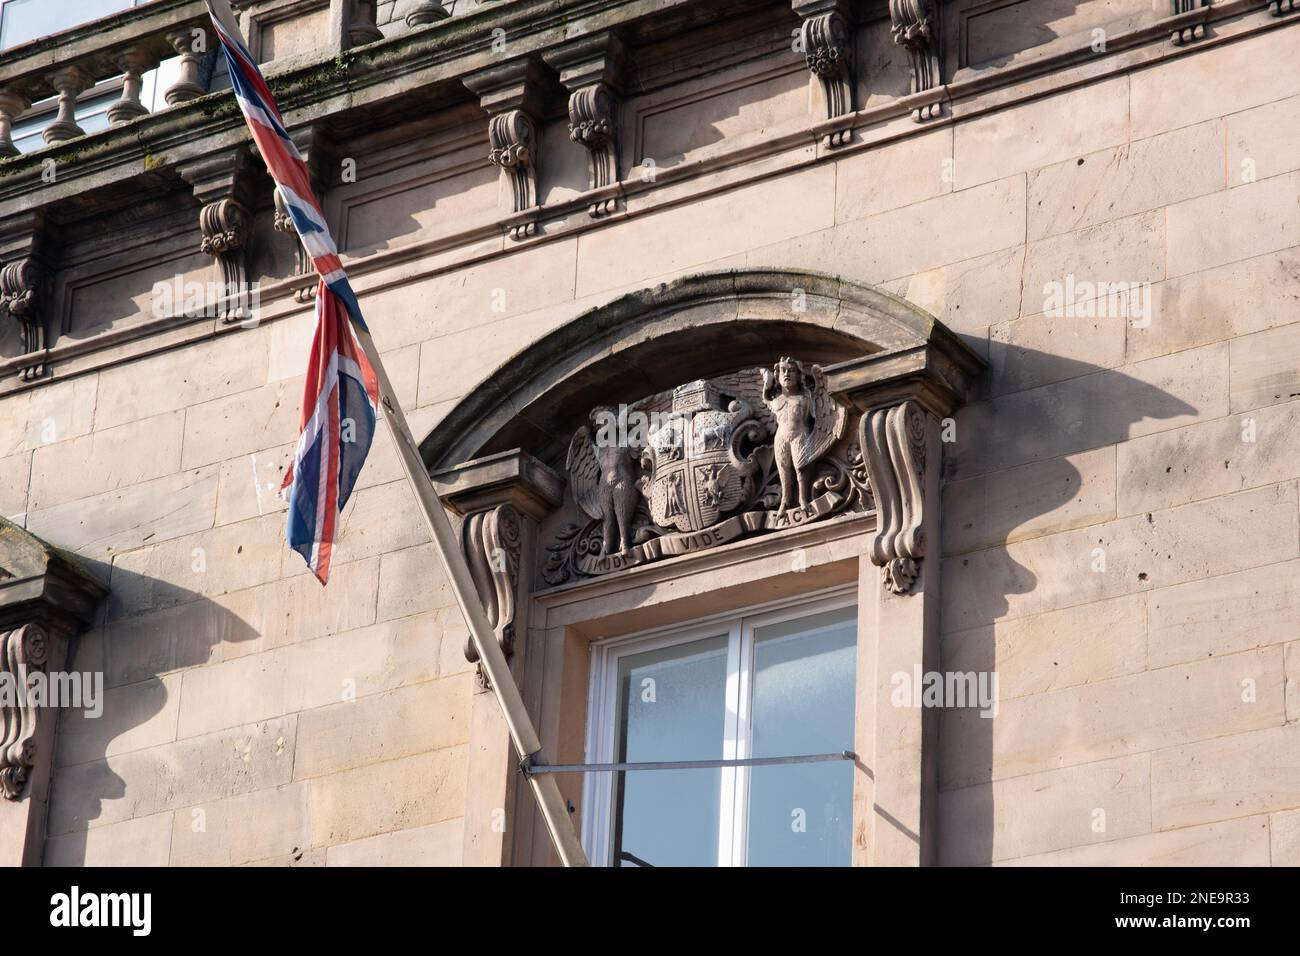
(1084, 407)
(136, 654)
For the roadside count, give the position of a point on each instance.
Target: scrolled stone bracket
(903, 395)
(24, 287)
(915, 26)
(591, 69)
(222, 184)
(511, 94)
(23, 651)
(894, 441)
(501, 499)
(827, 41)
(491, 541)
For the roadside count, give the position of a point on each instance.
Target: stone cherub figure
(603, 478)
(808, 422)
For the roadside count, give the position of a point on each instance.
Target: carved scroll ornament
(512, 135)
(593, 125)
(21, 292)
(703, 464)
(491, 541)
(22, 652)
(829, 54)
(915, 27)
(893, 439)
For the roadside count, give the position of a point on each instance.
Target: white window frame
(739, 627)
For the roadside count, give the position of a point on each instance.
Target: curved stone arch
(656, 338)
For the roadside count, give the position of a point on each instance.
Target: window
(773, 683)
(24, 20)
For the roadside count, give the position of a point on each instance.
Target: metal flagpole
(527, 744)
(490, 655)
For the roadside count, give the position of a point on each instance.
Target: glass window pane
(32, 19)
(671, 707)
(803, 690)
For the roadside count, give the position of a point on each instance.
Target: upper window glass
(23, 20)
(776, 684)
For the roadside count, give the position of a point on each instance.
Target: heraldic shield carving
(761, 449)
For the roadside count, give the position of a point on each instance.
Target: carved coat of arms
(699, 465)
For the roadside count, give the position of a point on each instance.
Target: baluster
(133, 62)
(426, 11)
(187, 87)
(12, 106)
(70, 82)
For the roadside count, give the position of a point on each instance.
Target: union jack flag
(340, 401)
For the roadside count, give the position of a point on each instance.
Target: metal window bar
(530, 768)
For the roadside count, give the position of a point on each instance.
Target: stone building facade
(1036, 270)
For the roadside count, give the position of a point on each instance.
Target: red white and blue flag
(340, 402)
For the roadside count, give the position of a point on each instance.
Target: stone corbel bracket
(1280, 7)
(24, 285)
(318, 152)
(501, 498)
(903, 396)
(827, 40)
(512, 95)
(222, 183)
(916, 27)
(47, 599)
(591, 69)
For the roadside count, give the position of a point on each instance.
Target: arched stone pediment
(657, 338)
(713, 408)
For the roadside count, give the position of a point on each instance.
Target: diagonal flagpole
(522, 732)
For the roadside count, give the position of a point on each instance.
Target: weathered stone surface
(1066, 648)
(1130, 250)
(410, 582)
(1042, 132)
(1284, 838)
(243, 423)
(106, 460)
(1243, 842)
(233, 362)
(1059, 494)
(1138, 553)
(1126, 715)
(243, 828)
(1209, 459)
(1264, 368)
(1233, 775)
(1248, 220)
(1126, 179)
(180, 774)
(1089, 410)
(144, 841)
(364, 730)
(1223, 615)
(1220, 303)
(1264, 141)
(1040, 349)
(131, 516)
(708, 229)
(876, 180)
(419, 790)
(968, 296)
(1094, 803)
(15, 471)
(62, 410)
(1293, 681)
(438, 844)
(229, 558)
(1234, 76)
(133, 717)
